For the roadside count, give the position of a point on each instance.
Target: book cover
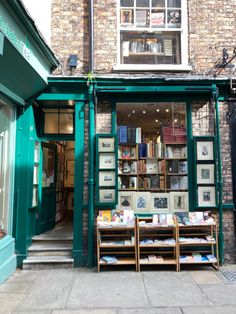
(183, 167)
(125, 152)
(174, 183)
(183, 183)
(104, 215)
(122, 134)
(138, 135)
(154, 182)
(157, 18)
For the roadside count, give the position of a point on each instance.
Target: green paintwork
(91, 177)
(67, 96)
(78, 252)
(190, 154)
(7, 258)
(219, 183)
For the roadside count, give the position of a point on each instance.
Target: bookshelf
(198, 244)
(116, 245)
(156, 244)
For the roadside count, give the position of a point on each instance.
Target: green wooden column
(23, 188)
(91, 177)
(219, 182)
(191, 164)
(78, 253)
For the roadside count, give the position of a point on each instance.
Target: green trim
(78, 186)
(228, 206)
(91, 176)
(61, 96)
(191, 163)
(219, 183)
(113, 118)
(8, 93)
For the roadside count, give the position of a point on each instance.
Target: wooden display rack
(169, 251)
(111, 242)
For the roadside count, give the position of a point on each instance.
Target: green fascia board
(11, 95)
(66, 96)
(20, 30)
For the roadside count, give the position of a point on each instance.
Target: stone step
(48, 262)
(51, 240)
(50, 249)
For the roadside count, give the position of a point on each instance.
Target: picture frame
(160, 202)
(126, 16)
(206, 196)
(125, 200)
(141, 202)
(179, 202)
(107, 195)
(205, 150)
(106, 144)
(205, 174)
(107, 161)
(107, 178)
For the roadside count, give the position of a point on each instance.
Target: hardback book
(104, 215)
(133, 183)
(122, 134)
(183, 167)
(174, 183)
(183, 183)
(133, 167)
(126, 152)
(152, 166)
(157, 18)
(154, 182)
(138, 135)
(142, 150)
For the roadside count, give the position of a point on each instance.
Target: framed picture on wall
(106, 178)
(125, 200)
(205, 174)
(106, 196)
(141, 202)
(106, 144)
(206, 196)
(160, 202)
(205, 150)
(179, 201)
(107, 161)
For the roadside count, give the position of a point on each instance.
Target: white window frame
(183, 66)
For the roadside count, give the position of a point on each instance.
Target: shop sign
(10, 34)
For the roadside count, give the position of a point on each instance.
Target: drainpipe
(219, 183)
(91, 176)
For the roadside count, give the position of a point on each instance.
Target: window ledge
(151, 67)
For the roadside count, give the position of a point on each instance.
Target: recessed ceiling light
(133, 111)
(176, 120)
(167, 110)
(157, 110)
(156, 120)
(144, 111)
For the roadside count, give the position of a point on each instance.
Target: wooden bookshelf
(118, 242)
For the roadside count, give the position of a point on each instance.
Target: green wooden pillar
(191, 164)
(113, 117)
(23, 186)
(78, 253)
(91, 177)
(219, 182)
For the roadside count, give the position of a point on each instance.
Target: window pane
(174, 18)
(158, 3)
(142, 18)
(146, 48)
(158, 18)
(126, 17)
(174, 3)
(51, 123)
(127, 3)
(66, 123)
(142, 3)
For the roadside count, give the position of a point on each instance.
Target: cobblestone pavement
(82, 291)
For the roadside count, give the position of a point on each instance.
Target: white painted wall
(40, 11)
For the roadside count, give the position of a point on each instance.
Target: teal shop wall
(7, 258)
(24, 215)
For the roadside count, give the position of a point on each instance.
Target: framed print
(205, 174)
(107, 178)
(106, 196)
(206, 196)
(160, 202)
(107, 161)
(141, 202)
(205, 150)
(106, 144)
(179, 201)
(125, 200)
(126, 16)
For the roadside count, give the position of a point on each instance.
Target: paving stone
(205, 277)
(9, 302)
(108, 289)
(221, 294)
(49, 291)
(172, 289)
(23, 276)
(31, 312)
(151, 311)
(85, 311)
(209, 310)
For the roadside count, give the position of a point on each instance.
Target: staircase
(52, 249)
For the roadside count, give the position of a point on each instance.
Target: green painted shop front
(25, 62)
(86, 96)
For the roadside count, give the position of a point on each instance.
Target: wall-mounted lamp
(72, 62)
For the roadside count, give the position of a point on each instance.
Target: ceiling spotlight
(133, 111)
(167, 110)
(156, 120)
(157, 110)
(176, 120)
(144, 111)
(129, 115)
